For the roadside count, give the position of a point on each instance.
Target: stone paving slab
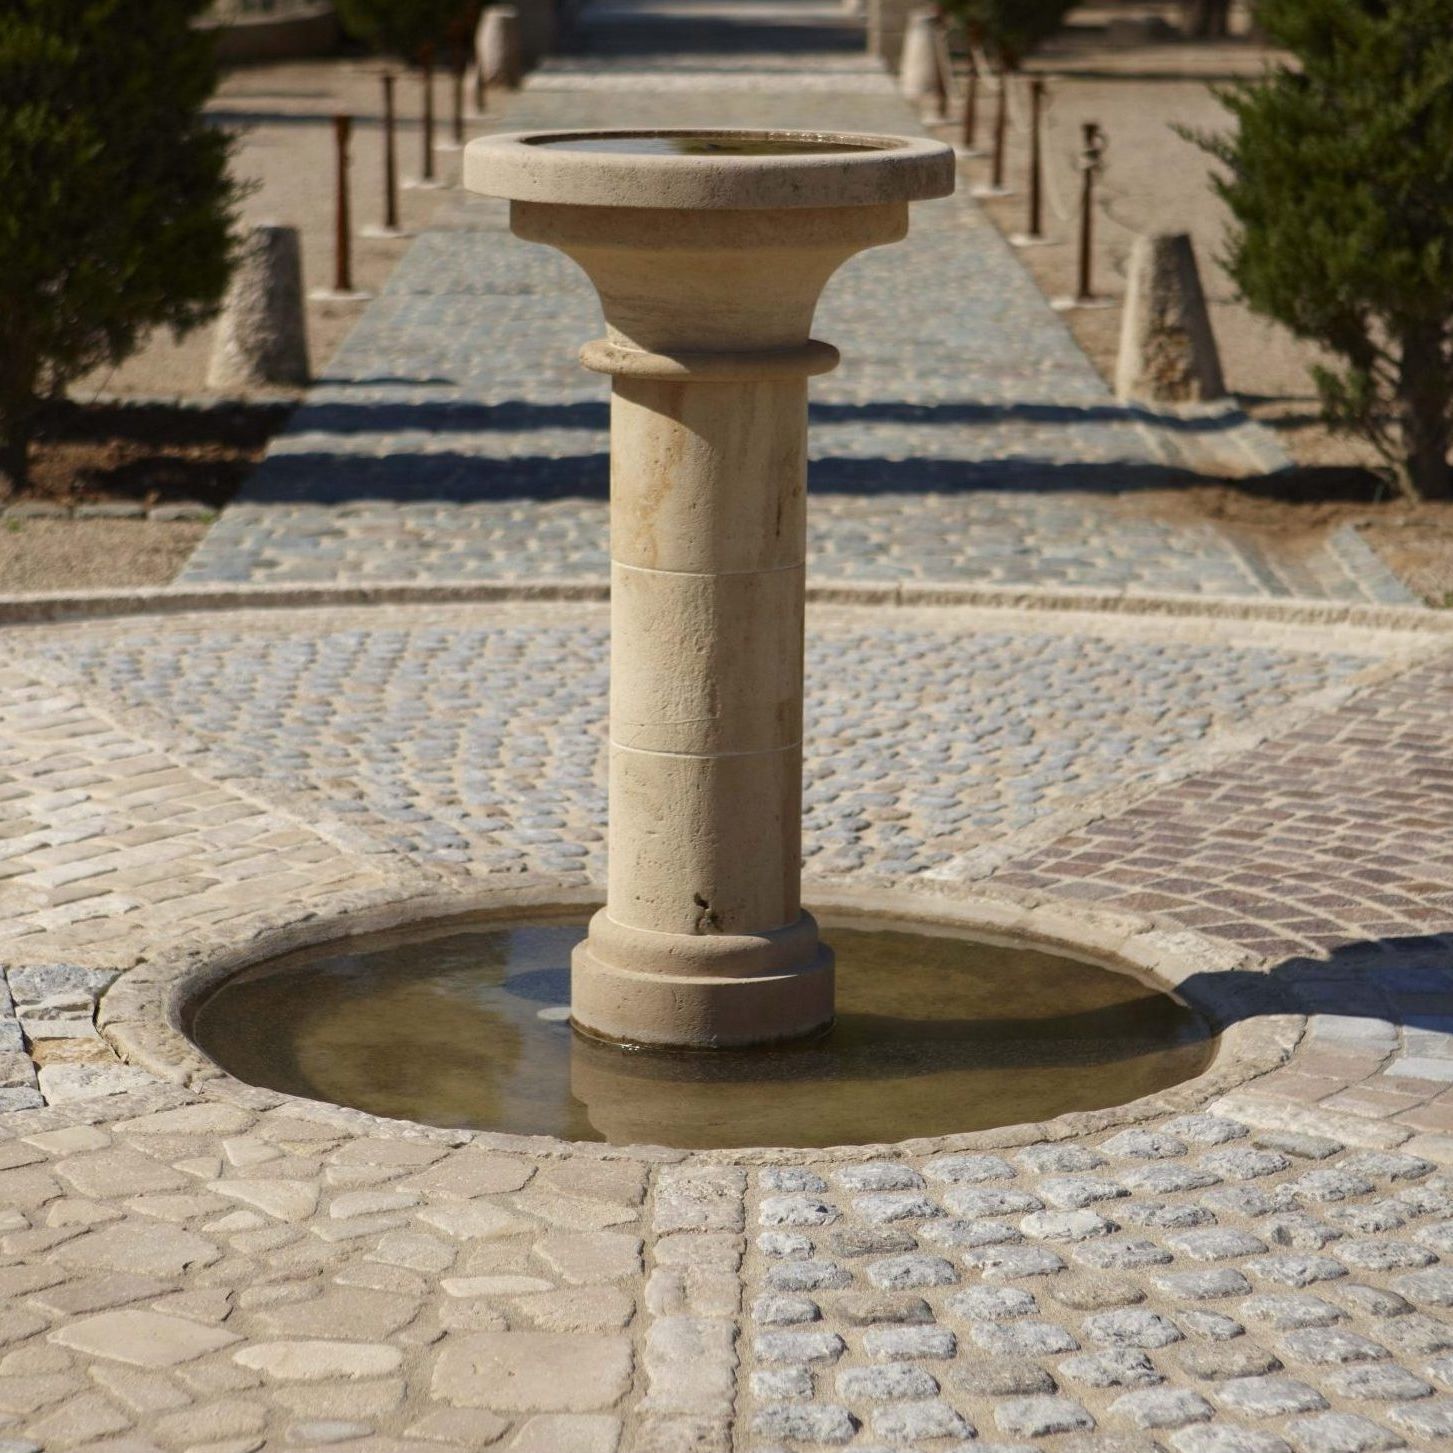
(197, 1264)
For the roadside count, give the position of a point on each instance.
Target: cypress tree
(1339, 178)
(405, 28)
(1010, 29)
(118, 214)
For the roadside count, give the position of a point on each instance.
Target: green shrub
(1339, 175)
(117, 214)
(406, 28)
(1009, 29)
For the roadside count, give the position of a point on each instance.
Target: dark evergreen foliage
(406, 28)
(1339, 175)
(116, 209)
(1008, 30)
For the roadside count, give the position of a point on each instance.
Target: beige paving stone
(211, 1422)
(568, 1433)
(202, 1306)
(94, 1294)
(200, 1119)
(471, 1172)
(77, 1211)
(177, 1207)
(532, 1372)
(16, 1281)
(477, 1315)
(380, 1278)
(142, 1247)
(366, 1203)
(572, 1213)
(320, 1360)
(82, 1419)
(399, 1154)
(16, 1325)
(246, 1150)
(599, 1180)
(591, 1257)
(28, 1187)
(472, 1429)
(578, 1309)
(370, 1316)
(36, 1357)
(487, 1286)
(71, 1140)
(470, 1220)
(27, 1394)
(145, 1393)
(288, 1200)
(118, 1171)
(373, 1397)
(142, 1339)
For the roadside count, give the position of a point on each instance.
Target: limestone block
(919, 77)
(497, 46)
(262, 339)
(1167, 349)
(887, 21)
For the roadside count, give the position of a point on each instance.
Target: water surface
(465, 1025)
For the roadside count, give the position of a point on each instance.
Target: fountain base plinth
(702, 991)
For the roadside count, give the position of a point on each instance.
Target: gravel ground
(68, 554)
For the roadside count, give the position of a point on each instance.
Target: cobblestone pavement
(1230, 1268)
(455, 436)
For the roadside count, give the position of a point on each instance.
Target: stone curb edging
(180, 513)
(144, 1013)
(51, 607)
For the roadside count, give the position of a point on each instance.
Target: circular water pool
(465, 1024)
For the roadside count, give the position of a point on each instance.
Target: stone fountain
(709, 250)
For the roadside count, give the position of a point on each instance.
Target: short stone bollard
(497, 47)
(919, 77)
(1167, 349)
(886, 22)
(262, 339)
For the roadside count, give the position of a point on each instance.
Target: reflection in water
(463, 1026)
(702, 145)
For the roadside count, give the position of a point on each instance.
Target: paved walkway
(1260, 810)
(965, 437)
(1251, 802)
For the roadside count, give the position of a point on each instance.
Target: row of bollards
(261, 338)
(1168, 350)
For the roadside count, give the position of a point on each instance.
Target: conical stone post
(1168, 350)
(261, 339)
(497, 50)
(920, 78)
(708, 269)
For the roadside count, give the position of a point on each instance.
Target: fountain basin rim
(144, 1014)
(877, 170)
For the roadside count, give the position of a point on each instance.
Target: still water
(704, 144)
(465, 1025)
